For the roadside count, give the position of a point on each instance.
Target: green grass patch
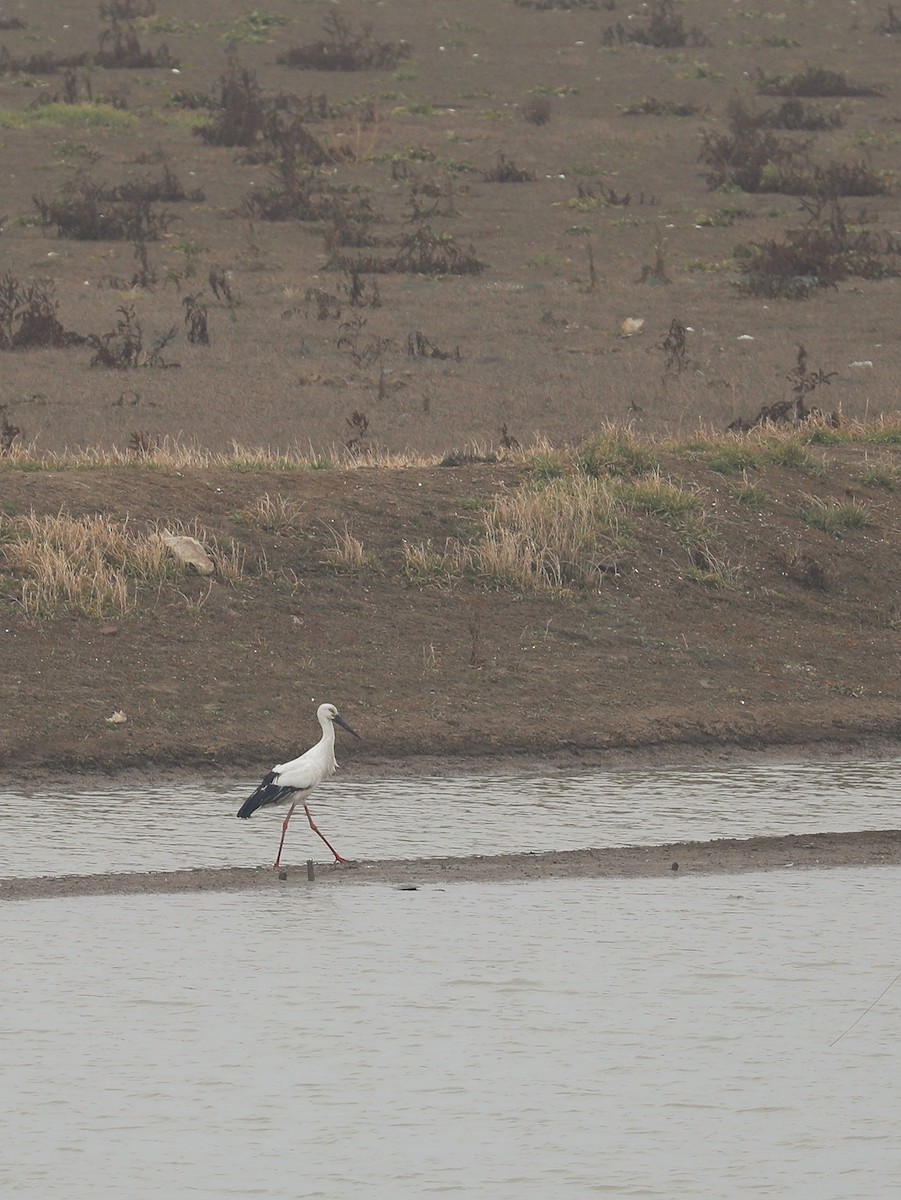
(548, 465)
(658, 497)
(615, 453)
(84, 116)
(733, 460)
(881, 475)
(747, 493)
(791, 454)
(837, 516)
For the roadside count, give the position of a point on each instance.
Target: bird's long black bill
(344, 725)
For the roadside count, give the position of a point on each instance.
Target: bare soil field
(436, 253)
(447, 244)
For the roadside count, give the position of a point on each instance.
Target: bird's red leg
(284, 831)
(338, 857)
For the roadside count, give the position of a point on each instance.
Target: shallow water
(161, 828)
(656, 1038)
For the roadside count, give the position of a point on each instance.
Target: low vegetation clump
(665, 29)
(560, 536)
(86, 211)
(794, 115)
(343, 48)
(813, 81)
(426, 566)
(421, 252)
(837, 516)
(886, 475)
(565, 5)
(733, 459)
(239, 112)
(650, 106)
(124, 348)
(301, 195)
(658, 496)
(820, 254)
(28, 316)
(506, 171)
(349, 554)
(740, 156)
(119, 46)
(750, 156)
(615, 453)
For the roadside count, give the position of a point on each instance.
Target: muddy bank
(502, 761)
(674, 860)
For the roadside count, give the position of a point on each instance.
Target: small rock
(631, 326)
(118, 718)
(189, 551)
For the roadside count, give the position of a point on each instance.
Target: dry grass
(96, 565)
(91, 565)
(274, 514)
(425, 566)
(349, 553)
(614, 450)
(552, 538)
(171, 455)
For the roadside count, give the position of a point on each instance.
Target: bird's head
(328, 712)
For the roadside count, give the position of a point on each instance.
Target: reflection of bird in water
(293, 781)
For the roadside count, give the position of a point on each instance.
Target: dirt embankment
(797, 646)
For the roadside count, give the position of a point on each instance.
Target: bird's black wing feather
(268, 792)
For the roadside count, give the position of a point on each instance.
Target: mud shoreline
(494, 761)
(674, 860)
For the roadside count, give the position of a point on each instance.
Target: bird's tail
(268, 792)
(250, 806)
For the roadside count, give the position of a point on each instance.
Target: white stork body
(292, 782)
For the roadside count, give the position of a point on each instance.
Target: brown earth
(539, 348)
(802, 647)
(802, 651)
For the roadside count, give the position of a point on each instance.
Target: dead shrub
(127, 10)
(419, 346)
(120, 47)
(196, 319)
(740, 156)
(665, 30)
(344, 49)
(239, 114)
(28, 316)
(506, 171)
(537, 110)
(124, 349)
(803, 569)
(823, 252)
(43, 63)
(794, 114)
(8, 431)
(421, 252)
(86, 211)
(813, 81)
(835, 179)
(650, 106)
(565, 5)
